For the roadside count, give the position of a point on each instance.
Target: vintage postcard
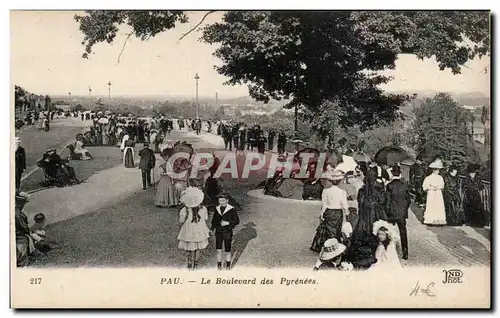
(250, 159)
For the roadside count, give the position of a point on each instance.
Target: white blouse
(334, 198)
(433, 182)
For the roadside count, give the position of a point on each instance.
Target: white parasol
(103, 121)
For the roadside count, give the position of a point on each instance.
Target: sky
(46, 58)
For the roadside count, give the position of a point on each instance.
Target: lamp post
(69, 94)
(109, 94)
(197, 78)
(90, 91)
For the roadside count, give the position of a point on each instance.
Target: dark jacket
(147, 159)
(20, 159)
(397, 200)
(229, 215)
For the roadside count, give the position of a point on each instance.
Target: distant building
(472, 108)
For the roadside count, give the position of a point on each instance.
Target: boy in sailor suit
(223, 222)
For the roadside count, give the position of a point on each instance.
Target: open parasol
(391, 155)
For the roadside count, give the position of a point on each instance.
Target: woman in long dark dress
(370, 204)
(473, 205)
(361, 252)
(334, 211)
(128, 153)
(453, 203)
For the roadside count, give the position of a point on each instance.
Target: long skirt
(330, 227)
(435, 213)
(165, 193)
(129, 158)
(473, 208)
(179, 187)
(454, 209)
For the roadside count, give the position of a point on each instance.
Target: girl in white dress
(435, 213)
(386, 254)
(193, 235)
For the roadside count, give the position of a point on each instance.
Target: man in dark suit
(281, 142)
(398, 202)
(20, 163)
(147, 163)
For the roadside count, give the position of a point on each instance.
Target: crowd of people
(364, 210)
(241, 137)
(369, 239)
(37, 117)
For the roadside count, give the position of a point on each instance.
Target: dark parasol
(390, 155)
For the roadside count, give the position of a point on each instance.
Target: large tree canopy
(442, 130)
(309, 57)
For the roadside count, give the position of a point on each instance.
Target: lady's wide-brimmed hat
(391, 230)
(331, 249)
(437, 164)
(333, 175)
(192, 197)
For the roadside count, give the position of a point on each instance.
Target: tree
(20, 96)
(78, 108)
(48, 103)
(441, 128)
(309, 57)
(219, 113)
(237, 113)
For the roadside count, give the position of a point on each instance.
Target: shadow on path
(241, 240)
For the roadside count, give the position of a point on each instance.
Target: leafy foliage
(441, 128)
(103, 25)
(20, 95)
(309, 57)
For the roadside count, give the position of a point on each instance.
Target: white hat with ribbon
(331, 249)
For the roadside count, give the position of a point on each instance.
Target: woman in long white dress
(435, 213)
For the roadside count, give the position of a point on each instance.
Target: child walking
(223, 222)
(193, 235)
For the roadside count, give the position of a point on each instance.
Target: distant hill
(469, 98)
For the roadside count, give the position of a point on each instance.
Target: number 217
(36, 281)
